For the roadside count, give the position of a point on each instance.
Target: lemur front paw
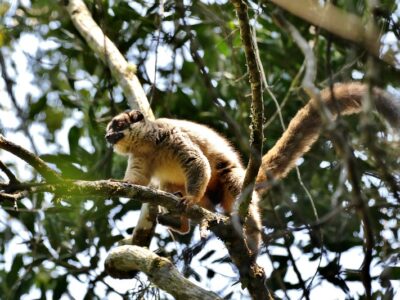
(187, 201)
(178, 194)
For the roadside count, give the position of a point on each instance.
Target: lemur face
(120, 126)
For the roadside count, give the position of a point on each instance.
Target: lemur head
(121, 130)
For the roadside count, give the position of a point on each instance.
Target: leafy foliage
(65, 96)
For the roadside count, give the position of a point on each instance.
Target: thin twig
(299, 177)
(281, 224)
(37, 163)
(9, 88)
(13, 198)
(313, 92)
(311, 64)
(160, 16)
(279, 108)
(307, 84)
(212, 91)
(8, 172)
(361, 208)
(360, 202)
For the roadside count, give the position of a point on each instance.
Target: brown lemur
(187, 158)
(198, 162)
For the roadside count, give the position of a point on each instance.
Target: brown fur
(184, 157)
(199, 163)
(305, 127)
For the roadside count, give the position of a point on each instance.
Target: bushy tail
(305, 127)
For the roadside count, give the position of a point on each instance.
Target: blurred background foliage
(57, 96)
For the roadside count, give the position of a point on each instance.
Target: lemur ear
(135, 116)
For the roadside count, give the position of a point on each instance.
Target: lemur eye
(118, 125)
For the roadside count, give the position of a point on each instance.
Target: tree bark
(123, 259)
(339, 22)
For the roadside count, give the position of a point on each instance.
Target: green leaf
(61, 287)
(390, 273)
(54, 118)
(37, 107)
(67, 102)
(73, 138)
(65, 163)
(16, 266)
(53, 230)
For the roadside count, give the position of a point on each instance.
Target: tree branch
(213, 92)
(308, 82)
(9, 88)
(8, 172)
(158, 269)
(361, 207)
(12, 197)
(311, 89)
(37, 163)
(251, 275)
(339, 22)
(257, 108)
(124, 73)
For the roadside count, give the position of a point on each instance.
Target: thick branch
(113, 188)
(38, 164)
(251, 275)
(339, 22)
(159, 270)
(124, 73)
(257, 108)
(146, 225)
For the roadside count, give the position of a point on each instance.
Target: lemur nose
(114, 137)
